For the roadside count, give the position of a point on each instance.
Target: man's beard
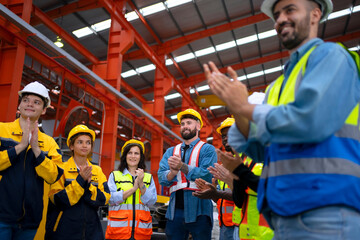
(301, 32)
(190, 135)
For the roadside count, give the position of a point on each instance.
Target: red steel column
(119, 42)
(162, 86)
(12, 57)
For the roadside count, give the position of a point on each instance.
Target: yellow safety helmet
(133, 141)
(192, 112)
(80, 129)
(226, 123)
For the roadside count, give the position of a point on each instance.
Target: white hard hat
(39, 89)
(256, 98)
(326, 8)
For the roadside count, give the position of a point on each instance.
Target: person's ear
(315, 16)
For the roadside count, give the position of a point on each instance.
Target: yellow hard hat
(226, 123)
(133, 141)
(192, 112)
(80, 129)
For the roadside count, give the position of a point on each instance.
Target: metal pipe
(24, 26)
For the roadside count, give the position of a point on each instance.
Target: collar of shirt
(192, 144)
(126, 171)
(295, 56)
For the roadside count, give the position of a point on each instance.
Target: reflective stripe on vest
(130, 214)
(236, 216)
(182, 183)
(311, 174)
(253, 224)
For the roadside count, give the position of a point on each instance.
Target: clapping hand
(206, 190)
(140, 175)
(86, 173)
(229, 161)
(231, 91)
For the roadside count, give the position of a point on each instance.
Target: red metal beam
(171, 45)
(149, 52)
(173, 111)
(132, 91)
(64, 35)
(77, 6)
(74, 78)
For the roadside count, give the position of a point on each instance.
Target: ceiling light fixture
(58, 42)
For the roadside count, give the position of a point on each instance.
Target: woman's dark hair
(73, 138)
(123, 163)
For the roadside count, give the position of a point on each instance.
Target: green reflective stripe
(257, 169)
(274, 91)
(353, 54)
(353, 118)
(236, 215)
(312, 165)
(119, 224)
(296, 75)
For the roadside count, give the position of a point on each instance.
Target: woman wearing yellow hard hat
(77, 195)
(132, 192)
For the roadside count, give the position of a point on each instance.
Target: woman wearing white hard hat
(132, 193)
(77, 196)
(28, 159)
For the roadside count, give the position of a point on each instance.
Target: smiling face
(31, 106)
(296, 21)
(133, 157)
(189, 128)
(81, 146)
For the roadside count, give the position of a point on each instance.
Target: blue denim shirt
(193, 206)
(328, 92)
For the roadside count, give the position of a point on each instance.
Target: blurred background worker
(132, 193)
(28, 158)
(310, 168)
(223, 195)
(78, 194)
(179, 168)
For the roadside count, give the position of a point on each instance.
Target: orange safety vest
(225, 208)
(182, 182)
(131, 216)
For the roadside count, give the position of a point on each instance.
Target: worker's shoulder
(9, 124)
(47, 138)
(330, 49)
(208, 147)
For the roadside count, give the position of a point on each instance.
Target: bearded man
(178, 169)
